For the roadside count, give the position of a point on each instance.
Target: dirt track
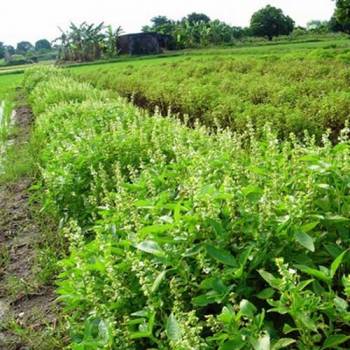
(23, 303)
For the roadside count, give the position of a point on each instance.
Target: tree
(160, 24)
(342, 14)
(111, 42)
(220, 32)
(87, 42)
(23, 47)
(239, 32)
(197, 17)
(42, 44)
(10, 49)
(270, 21)
(316, 24)
(160, 21)
(82, 42)
(335, 26)
(2, 50)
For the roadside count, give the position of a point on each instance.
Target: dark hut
(143, 43)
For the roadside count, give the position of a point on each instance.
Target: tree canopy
(270, 21)
(23, 47)
(10, 49)
(197, 17)
(160, 24)
(2, 50)
(42, 44)
(342, 14)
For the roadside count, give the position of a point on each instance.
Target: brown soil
(26, 307)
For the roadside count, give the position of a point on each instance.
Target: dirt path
(26, 307)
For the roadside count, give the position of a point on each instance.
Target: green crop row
(294, 92)
(183, 239)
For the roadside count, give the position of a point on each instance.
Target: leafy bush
(183, 239)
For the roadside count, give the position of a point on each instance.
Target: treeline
(83, 42)
(89, 42)
(26, 52)
(199, 30)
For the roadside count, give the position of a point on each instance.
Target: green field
(8, 83)
(296, 87)
(221, 224)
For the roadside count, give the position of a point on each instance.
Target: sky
(36, 19)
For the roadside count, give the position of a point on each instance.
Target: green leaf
(140, 313)
(304, 284)
(310, 226)
(156, 229)
(252, 193)
(283, 343)
(335, 340)
(221, 255)
(270, 279)
(206, 299)
(247, 308)
(288, 329)
(150, 247)
(139, 335)
(341, 304)
(267, 293)
(337, 219)
(236, 344)
(217, 226)
(227, 315)
(173, 329)
(336, 263)
(263, 343)
(333, 249)
(305, 240)
(313, 272)
(158, 281)
(216, 284)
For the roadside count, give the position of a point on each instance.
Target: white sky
(35, 19)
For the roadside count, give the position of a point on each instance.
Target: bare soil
(26, 307)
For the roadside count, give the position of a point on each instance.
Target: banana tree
(111, 41)
(87, 42)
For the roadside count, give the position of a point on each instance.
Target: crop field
(199, 201)
(303, 89)
(181, 238)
